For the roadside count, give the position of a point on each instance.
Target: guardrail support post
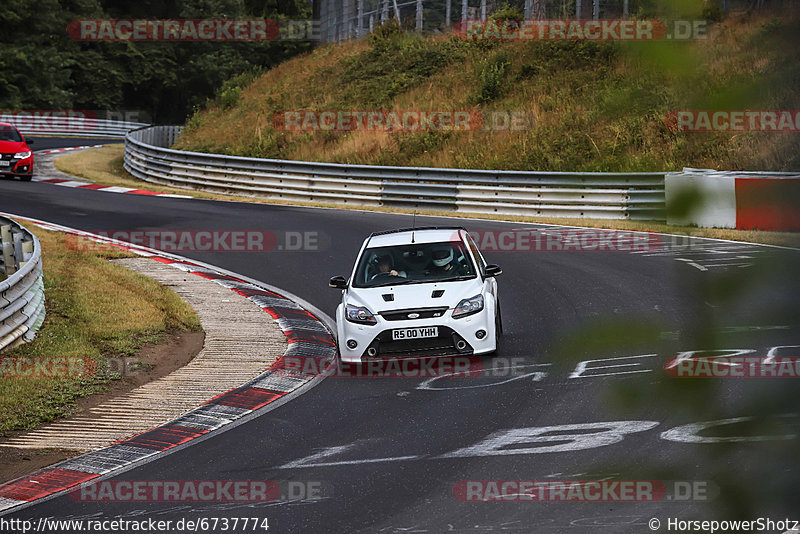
(8, 249)
(17, 243)
(27, 252)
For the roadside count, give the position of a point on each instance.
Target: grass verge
(95, 309)
(104, 166)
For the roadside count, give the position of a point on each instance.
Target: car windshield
(8, 133)
(419, 263)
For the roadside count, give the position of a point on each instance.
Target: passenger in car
(443, 261)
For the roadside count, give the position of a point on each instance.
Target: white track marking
(584, 366)
(607, 433)
(535, 376)
(691, 433)
(693, 264)
(771, 353)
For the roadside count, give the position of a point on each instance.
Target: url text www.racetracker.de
(149, 525)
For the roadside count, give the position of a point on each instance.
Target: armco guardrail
(78, 126)
(22, 291)
(554, 194)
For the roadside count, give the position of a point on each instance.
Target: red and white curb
(107, 188)
(80, 184)
(311, 348)
(66, 149)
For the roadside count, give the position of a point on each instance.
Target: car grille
(423, 313)
(6, 156)
(443, 345)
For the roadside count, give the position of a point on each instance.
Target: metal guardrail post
(9, 262)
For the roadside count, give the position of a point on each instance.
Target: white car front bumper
(379, 336)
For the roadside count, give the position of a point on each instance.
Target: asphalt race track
(48, 143)
(390, 454)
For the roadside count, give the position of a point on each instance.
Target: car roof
(403, 236)
(7, 124)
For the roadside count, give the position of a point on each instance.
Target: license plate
(4, 163)
(415, 333)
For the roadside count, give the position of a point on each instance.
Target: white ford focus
(418, 292)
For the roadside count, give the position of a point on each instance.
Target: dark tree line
(42, 68)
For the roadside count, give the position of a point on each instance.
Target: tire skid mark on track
(308, 338)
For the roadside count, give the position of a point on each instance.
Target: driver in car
(385, 266)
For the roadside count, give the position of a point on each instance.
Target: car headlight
(468, 306)
(359, 314)
(23, 155)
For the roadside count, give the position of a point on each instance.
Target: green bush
(228, 95)
(492, 75)
(396, 62)
(507, 12)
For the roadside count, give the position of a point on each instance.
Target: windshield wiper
(455, 278)
(404, 281)
(398, 282)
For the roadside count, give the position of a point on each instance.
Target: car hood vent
(437, 293)
(388, 297)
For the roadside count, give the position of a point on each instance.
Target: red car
(16, 157)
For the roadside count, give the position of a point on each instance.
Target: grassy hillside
(598, 106)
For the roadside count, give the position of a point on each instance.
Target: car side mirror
(29, 141)
(492, 270)
(338, 282)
